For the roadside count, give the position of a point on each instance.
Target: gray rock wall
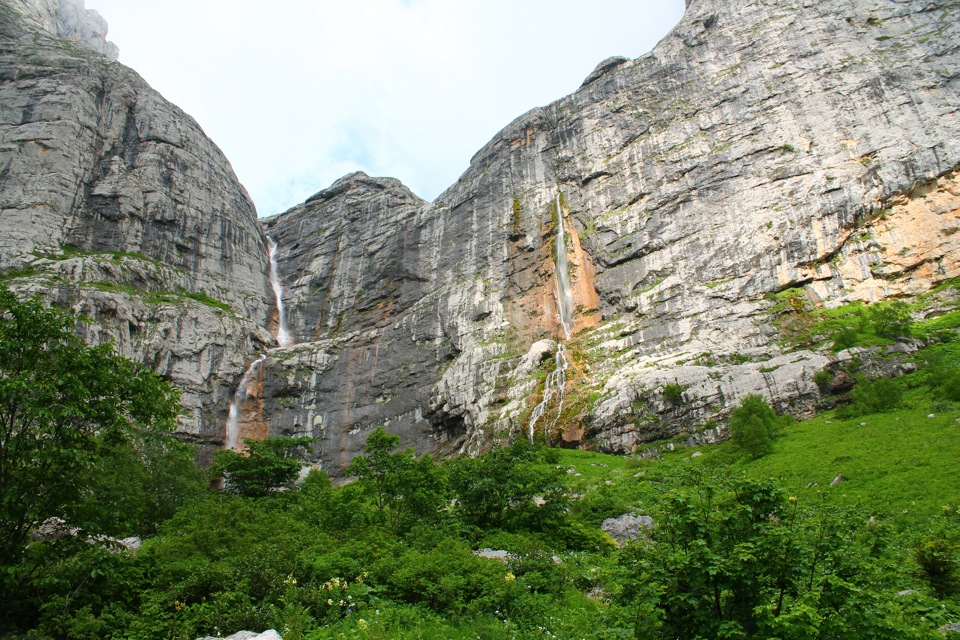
(734, 160)
(114, 203)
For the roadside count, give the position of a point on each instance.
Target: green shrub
(822, 379)
(891, 320)
(673, 393)
(939, 562)
(753, 426)
(875, 396)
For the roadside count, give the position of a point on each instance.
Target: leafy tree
(263, 467)
(69, 412)
(404, 488)
(891, 320)
(753, 426)
(504, 489)
(735, 558)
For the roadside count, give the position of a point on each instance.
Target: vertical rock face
(761, 146)
(115, 203)
(740, 156)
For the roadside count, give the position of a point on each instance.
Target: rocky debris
(498, 554)
(627, 527)
(55, 528)
(269, 634)
(838, 479)
(953, 626)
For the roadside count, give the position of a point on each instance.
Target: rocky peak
(69, 19)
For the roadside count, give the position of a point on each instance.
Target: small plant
(788, 148)
(822, 379)
(673, 393)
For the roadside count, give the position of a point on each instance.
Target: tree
(736, 558)
(265, 466)
(66, 411)
(63, 406)
(753, 426)
(505, 489)
(891, 320)
(404, 488)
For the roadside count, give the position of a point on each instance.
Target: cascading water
(241, 394)
(284, 339)
(564, 292)
(557, 379)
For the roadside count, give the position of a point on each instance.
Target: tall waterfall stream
(557, 379)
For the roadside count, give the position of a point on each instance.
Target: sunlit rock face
(760, 146)
(756, 142)
(115, 204)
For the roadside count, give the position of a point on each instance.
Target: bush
(822, 379)
(939, 565)
(876, 396)
(266, 466)
(753, 426)
(891, 320)
(673, 393)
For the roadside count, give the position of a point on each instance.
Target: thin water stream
(553, 387)
(241, 394)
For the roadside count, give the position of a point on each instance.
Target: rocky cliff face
(762, 146)
(752, 151)
(115, 204)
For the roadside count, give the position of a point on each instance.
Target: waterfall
(241, 394)
(557, 379)
(284, 339)
(563, 292)
(553, 386)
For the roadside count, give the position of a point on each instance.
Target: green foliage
(753, 426)
(404, 489)
(881, 395)
(939, 561)
(822, 379)
(83, 439)
(673, 393)
(735, 558)
(891, 320)
(500, 489)
(265, 466)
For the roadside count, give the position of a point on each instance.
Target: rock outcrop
(115, 204)
(760, 147)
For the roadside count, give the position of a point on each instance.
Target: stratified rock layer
(761, 146)
(755, 149)
(114, 203)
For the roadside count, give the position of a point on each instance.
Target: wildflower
(361, 624)
(509, 577)
(793, 498)
(329, 602)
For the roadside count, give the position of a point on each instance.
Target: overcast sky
(300, 92)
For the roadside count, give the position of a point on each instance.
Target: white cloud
(309, 90)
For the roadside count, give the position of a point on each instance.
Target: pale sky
(298, 93)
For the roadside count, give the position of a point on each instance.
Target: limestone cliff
(752, 150)
(761, 146)
(114, 203)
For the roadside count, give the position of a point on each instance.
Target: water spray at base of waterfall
(241, 394)
(556, 380)
(284, 339)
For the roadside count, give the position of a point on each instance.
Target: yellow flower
(361, 623)
(329, 602)
(509, 577)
